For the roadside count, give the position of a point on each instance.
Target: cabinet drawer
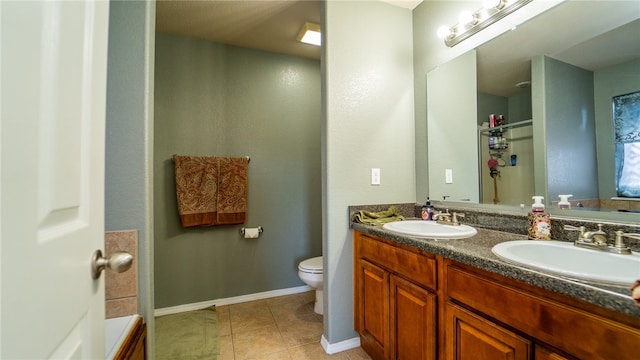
(580, 333)
(421, 269)
(542, 353)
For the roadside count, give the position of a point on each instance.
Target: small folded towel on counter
(211, 190)
(378, 218)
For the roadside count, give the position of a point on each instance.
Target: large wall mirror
(550, 85)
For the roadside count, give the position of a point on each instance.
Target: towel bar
(248, 157)
(259, 230)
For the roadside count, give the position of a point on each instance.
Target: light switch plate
(375, 176)
(448, 176)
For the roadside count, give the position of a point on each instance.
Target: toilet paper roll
(251, 233)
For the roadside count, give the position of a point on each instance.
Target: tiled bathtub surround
(621, 204)
(121, 290)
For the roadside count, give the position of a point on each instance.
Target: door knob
(119, 261)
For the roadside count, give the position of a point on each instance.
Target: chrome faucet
(619, 246)
(454, 220)
(448, 219)
(590, 239)
(597, 237)
(442, 217)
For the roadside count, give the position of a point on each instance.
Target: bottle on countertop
(427, 211)
(564, 202)
(539, 221)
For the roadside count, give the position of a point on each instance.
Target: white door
(53, 71)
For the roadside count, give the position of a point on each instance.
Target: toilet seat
(310, 272)
(311, 266)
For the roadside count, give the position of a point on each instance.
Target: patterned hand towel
(211, 190)
(197, 189)
(232, 190)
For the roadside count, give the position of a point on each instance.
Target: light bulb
(465, 18)
(443, 32)
(488, 4)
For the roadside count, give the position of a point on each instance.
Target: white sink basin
(565, 259)
(430, 229)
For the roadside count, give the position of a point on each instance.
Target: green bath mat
(190, 335)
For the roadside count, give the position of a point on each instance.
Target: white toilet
(310, 272)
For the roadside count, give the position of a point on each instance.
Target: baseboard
(339, 346)
(231, 300)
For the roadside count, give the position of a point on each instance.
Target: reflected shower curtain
(626, 119)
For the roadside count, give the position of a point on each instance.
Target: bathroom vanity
(427, 299)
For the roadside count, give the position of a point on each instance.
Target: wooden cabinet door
(413, 321)
(471, 337)
(542, 353)
(373, 308)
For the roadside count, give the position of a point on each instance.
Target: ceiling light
(310, 34)
(471, 23)
(466, 18)
(488, 4)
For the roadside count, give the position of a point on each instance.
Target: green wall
(368, 123)
(519, 107)
(453, 134)
(569, 130)
(615, 80)
(491, 104)
(429, 52)
(213, 99)
(129, 130)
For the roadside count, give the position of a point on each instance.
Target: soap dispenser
(564, 202)
(539, 224)
(427, 211)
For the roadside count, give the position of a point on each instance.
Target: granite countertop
(476, 251)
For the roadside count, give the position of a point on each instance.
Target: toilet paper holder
(260, 230)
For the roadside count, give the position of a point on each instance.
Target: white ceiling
(408, 4)
(587, 34)
(263, 24)
(258, 24)
(562, 32)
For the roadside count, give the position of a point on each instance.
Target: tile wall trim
(121, 290)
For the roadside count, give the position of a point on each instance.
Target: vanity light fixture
(310, 34)
(471, 23)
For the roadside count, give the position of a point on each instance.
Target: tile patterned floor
(280, 328)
